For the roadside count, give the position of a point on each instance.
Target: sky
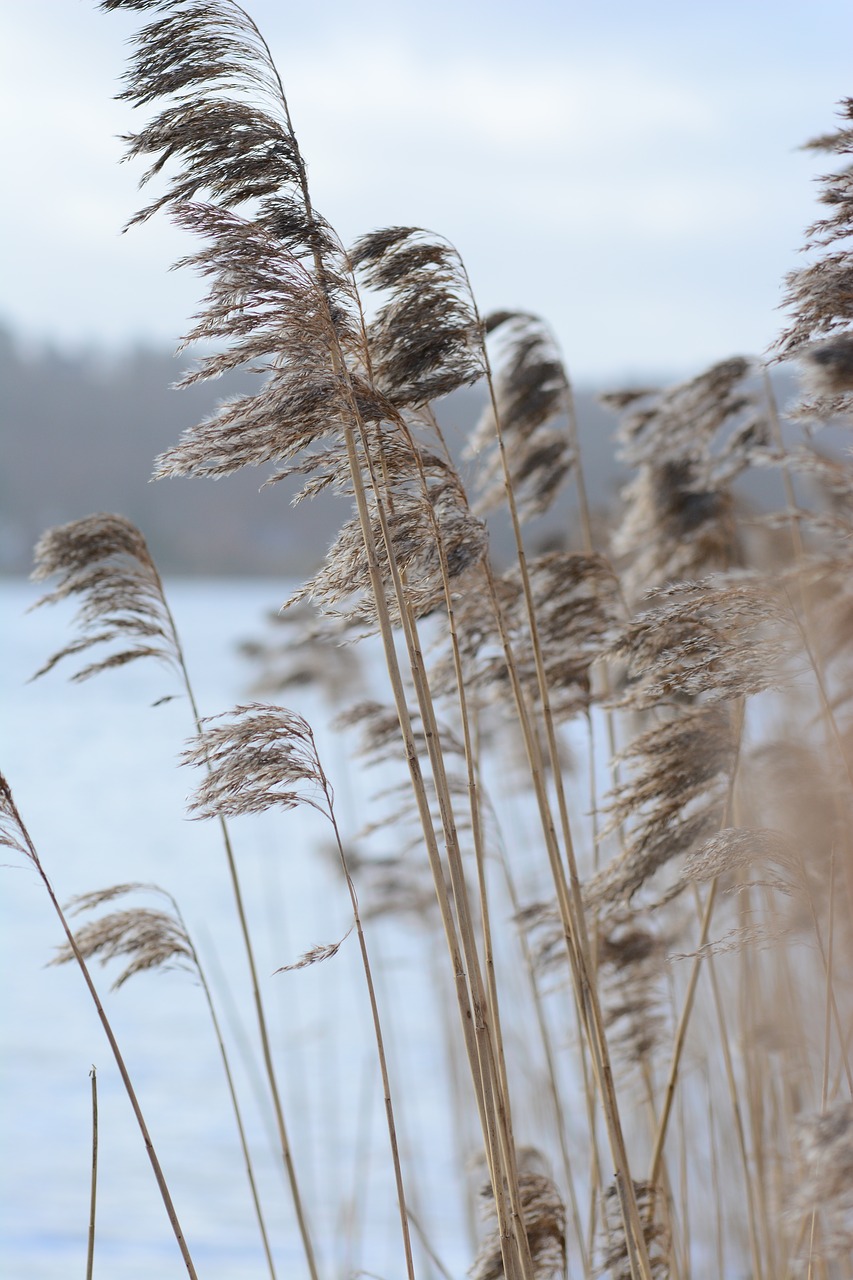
(631, 172)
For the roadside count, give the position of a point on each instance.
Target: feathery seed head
(544, 1215)
(104, 560)
(532, 397)
(827, 367)
(614, 1259)
(12, 833)
(148, 938)
(428, 532)
(724, 637)
(262, 756)
(673, 802)
(826, 1185)
(425, 340)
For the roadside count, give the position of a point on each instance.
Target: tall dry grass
(645, 954)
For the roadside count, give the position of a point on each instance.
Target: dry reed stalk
(472, 1021)
(158, 940)
(267, 756)
(569, 894)
(523, 713)
(483, 1090)
(550, 1060)
(93, 1191)
(687, 526)
(479, 853)
(819, 335)
(485, 1052)
(705, 913)
(729, 1073)
(827, 1034)
(755, 1220)
(584, 991)
(499, 1139)
(14, 835)
(718, 1197)
(105, 560)
(565, 616)
(411, 1166)
(459, 682)
(684, 1268)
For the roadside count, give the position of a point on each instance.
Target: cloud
(573, 171)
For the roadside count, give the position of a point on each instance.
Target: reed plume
(826, 1148)
(300, 649)
(262, 756)
(720, 639)
(614, 1249)
(104, 559)
(345, 364)
(818, 295)
(147, 938)
(675, 799)
(688, 443)
(532, 403)
(425, 339)
(545, 1223)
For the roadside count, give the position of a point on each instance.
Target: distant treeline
(81, 433)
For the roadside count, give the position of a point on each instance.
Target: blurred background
(634, 174)
(630, 172)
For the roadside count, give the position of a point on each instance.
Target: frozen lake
(92, 768)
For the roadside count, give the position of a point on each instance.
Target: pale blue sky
(631, 171)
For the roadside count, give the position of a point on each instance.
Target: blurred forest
(80, 434)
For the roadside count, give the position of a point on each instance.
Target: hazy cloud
(631, 174)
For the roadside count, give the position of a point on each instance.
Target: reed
(643, 965)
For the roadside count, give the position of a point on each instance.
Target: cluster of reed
(648, 948)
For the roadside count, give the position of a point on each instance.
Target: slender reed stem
(494, 1106)
(718, 1200)
(427, 1246)
(244, 1145)
(284, 1141)
(740, 1132)
(93, 1194)
(827, 1036)
(159, 1176)
(340, 369)
(575, 920)
(571, 906)
(550, 1062)
(377, 1025)
(705, 912)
